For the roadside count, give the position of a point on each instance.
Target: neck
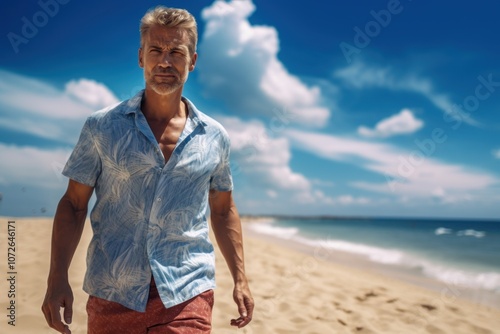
(162, 107)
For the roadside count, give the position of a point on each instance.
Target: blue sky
(372, 108)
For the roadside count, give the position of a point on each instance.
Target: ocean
(462, 254)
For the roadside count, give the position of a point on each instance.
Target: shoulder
(113, 119)
(107, 113)
(116, 111)
(212, 126)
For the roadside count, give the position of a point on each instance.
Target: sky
(360, 108)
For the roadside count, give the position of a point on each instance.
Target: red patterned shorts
(194, 316)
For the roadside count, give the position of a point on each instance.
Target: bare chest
(167, 135)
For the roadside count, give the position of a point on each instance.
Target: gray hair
(171, 18)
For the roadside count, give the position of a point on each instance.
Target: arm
(227, 230)
(66, 232)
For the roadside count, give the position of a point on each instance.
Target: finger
(46, 313)
(240, 322)
(68, 312)
(244, 322)
(245, 319)
(236, 322)
(249, 304)
(242, 310)
(56, 322)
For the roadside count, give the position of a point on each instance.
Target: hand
(244, 300)
(58, 295)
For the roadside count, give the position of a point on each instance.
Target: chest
(129, 154)
(167, 135)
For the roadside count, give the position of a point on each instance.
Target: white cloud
(43, 128)
(36, 97)
(408, 174)
(496, 153)
(402, 123)
(348, 200)
(318, 196)
(36, 107)
(360, 75)
(32, 166)
(271, 193)
(238, 64)
(266, 157)
(90, 92)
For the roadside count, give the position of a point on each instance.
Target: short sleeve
(221, 179)
(84, 163)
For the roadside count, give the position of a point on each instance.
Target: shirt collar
(133, 105)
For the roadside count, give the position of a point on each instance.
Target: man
(155, 163)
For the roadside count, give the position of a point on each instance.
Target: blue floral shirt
(149, 216)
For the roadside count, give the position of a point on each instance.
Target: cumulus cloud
(264, 157)
(360, 75)
(90, 92)
(32, 166)
(38, 108)
(409, 174)
(238, 64)
(402, 123)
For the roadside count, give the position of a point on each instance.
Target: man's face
(165, 58)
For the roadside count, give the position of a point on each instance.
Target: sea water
(459, 253)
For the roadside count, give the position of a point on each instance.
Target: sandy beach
(295, 292)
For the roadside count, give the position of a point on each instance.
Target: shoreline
(480, 297)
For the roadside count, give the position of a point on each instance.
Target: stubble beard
(164, 88)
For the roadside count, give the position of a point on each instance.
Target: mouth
(165, 75)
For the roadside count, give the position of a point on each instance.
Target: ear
(141, 54)
(193, 62)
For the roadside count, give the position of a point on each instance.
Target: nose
(165, 60)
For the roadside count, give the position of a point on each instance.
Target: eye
(178, 52)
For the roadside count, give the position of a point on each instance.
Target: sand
(294, 292)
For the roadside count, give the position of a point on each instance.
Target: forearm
(66, 233)
(228, 233)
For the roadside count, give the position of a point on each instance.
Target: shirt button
(158, 199)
